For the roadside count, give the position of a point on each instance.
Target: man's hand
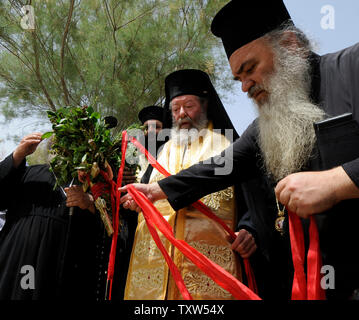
(128, 176)
(152, 191)
(244, 244)
(76, 197)
(307, 193)
(27, 146)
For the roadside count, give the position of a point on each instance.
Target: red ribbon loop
(115, 197)
(305, 288)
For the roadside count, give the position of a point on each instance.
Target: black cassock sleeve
(235, 164)
(349, 68)
(8, 179)
(340, 91)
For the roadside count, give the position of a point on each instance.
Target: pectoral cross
(280, 219)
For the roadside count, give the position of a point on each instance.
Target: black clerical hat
(151, 113)
(110, 122)
(187, 81)
(196, 82)
(242, 21)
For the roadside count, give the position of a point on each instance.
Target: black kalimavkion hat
(151, 113)
(196, 82)
(241, 21)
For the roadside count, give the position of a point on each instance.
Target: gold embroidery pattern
(147, 279)
(200, 284)
(146, 249)
(220, 255)
(214, 200)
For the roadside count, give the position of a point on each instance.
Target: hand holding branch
(76, 197)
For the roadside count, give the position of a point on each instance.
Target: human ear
(290, 41)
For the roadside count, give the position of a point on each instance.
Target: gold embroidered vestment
(148, 276)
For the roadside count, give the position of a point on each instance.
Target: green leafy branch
(82, 142)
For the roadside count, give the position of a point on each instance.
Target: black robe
(335, 87)
(69, 257)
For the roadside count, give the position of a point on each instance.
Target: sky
(332, 24)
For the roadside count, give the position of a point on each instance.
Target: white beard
(286, 132)
(187, 136)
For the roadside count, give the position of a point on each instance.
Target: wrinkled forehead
(252, 51)
(188, 98)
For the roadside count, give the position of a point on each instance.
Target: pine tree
(110, 54)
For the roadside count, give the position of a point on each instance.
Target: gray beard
(184, 137)
(286, 132)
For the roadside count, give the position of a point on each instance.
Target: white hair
(286, 132)
(186, 136)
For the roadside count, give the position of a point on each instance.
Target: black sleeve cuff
(7, 167)
(247, 224)
(352, 170)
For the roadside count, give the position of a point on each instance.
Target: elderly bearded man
(195, 110)
(293, 88)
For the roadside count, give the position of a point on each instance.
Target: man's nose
(247, 84)
(182, 113)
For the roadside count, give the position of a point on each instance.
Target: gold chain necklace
(280, 219)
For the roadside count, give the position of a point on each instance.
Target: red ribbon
(219, 275)
(302, 289)
(200, 206)
(174, 270)
(305, 288)
(115, 197)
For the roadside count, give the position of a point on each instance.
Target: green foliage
(110, 54)
(81, 141)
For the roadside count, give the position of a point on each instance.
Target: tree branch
(62, 54)
(108, 15)
(137, 17)
(38, 74)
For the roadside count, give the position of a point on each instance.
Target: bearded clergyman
(198, 119)
(300, 154)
